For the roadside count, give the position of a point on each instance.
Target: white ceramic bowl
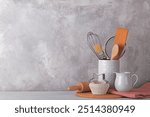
(99, 88)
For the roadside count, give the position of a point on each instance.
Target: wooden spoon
(115, 52)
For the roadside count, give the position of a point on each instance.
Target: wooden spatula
(120, 38)
(115, 52)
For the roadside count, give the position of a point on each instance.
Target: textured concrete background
(43, 42)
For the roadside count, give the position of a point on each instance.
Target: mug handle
(136, 77)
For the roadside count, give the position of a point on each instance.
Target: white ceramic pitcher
(124, 81)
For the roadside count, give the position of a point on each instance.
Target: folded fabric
(141, 92)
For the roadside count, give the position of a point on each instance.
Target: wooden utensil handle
(74, 88)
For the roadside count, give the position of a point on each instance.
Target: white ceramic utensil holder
(108, 67)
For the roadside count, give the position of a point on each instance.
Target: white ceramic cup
(108, 67)
(124, 81)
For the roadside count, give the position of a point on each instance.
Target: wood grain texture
(115, 52)
(90, 95)
(120, 38)
(80, 87)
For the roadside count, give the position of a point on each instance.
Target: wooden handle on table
(74, 88)
(80, 87)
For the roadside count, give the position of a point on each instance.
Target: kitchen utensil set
(108, 65)
(114, 47)
(109, 45)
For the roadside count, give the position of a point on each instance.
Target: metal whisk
(94, 43)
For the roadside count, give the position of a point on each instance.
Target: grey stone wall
(43, 42)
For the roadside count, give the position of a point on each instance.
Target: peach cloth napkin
(141, 92)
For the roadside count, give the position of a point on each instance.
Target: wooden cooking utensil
(120, 38)
(80, 87)
(115, 52)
